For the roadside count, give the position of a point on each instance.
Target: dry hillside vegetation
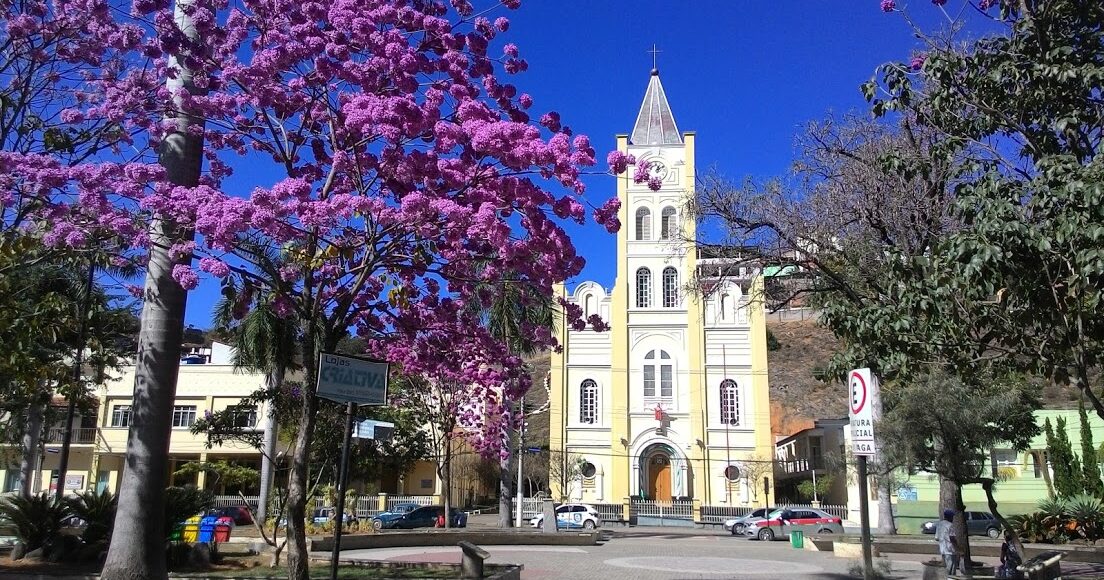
(797, 395)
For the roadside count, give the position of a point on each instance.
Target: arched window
(643, 288)
(588, 305)
(666, 375)
(730, 403)
(668, 226)
(588, 402)
(670, 287)
(643, 224)
(726, 302)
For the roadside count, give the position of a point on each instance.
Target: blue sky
(746, 75)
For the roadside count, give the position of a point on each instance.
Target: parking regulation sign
(862, 397)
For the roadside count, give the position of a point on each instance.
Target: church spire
(655, 125)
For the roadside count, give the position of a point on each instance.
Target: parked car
(737, 525)
(425, 517)
(240, 514)
(977, 524)
(781, 522)
(572, 515)
(379, 520)
(326, 515)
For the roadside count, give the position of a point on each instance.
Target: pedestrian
(1010, 559)
(948, 542)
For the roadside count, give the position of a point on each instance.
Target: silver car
(737, 525)
(781, 522)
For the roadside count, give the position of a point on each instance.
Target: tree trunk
(137, 549)
(886, 525)
(446, 480)
(31, 446)
(960, 527)
(273, 380)
(987, 485)
(505, 492)
(298, 557)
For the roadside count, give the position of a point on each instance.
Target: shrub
(182, 503)
(98, 510)
(37, 520)
(1085, 517)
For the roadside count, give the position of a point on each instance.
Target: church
(671, 403)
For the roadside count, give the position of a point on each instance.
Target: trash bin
(222, 532)
(190, 530)
(207, 529)
(177, 533)
(797, 539)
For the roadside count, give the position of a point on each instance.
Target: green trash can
(797, 539)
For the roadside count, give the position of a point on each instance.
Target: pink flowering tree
(404, 173)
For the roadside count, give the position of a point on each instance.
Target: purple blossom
(917, 60)
(889, 5)
(185, 276)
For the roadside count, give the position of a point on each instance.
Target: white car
(572, 515)
(737, 525)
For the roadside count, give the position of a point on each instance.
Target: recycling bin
(177, 533)
(207, 529)
(222, 532)
(797, 539)
(190, 531)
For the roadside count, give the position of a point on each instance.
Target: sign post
(863, 394)
(355, 382)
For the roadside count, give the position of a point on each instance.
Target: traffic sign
(862, 397)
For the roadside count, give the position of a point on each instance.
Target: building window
(670, 287)
(120, 416)
(643, 224)
(666, 375)
(667, 224)
(725, 303)
(643, 288)
(588, 402)
(243, 417)
(588, 306)
(183, 415)
(730, 403)
(1004, 463)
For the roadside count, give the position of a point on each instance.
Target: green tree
(514, 307)
(945, 426)
(1090, 464)
(263, 342)
(1067, 469)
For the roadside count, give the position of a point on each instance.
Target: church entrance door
(659, 477)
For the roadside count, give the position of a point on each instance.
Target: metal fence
(610, 512)
(222, 501)
(394, 500)
(367, 506)
(839, 511)
(531, 507)
(717, 514)
(675, 509)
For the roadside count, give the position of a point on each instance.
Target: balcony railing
(801, 465)
(82, 436)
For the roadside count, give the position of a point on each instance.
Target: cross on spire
(655, 52)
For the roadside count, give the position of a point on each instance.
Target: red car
(781, 522)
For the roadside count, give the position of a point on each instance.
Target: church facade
(672, 401)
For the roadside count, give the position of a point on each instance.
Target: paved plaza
(655, 553)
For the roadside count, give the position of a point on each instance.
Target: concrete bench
(471, 564)
(1045, 566)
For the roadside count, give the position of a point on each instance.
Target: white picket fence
(394, 500)
(222, 501)
(717, 514)
(531, 507)
(650, 508)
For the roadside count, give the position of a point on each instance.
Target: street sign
(862, 398)
(376, 430)
(345, 379)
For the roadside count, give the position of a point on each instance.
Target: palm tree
(263, 342)
(515, 305)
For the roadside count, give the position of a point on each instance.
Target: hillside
(797, 395)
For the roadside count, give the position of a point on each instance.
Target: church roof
(655, 124)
